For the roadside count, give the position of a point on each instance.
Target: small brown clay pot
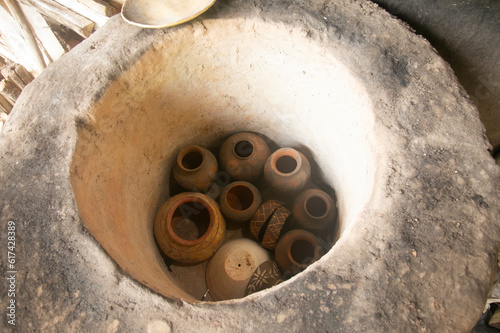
(267, 275)
(239, 201)
(287, 171)
(230, 269)
(268, 221)
(189, 227)
(314, 210)
(243, 155)
(195, 168)
(296, 250)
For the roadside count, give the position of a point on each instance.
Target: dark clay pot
(267, 223)
(243, 156)
(239, 201)
(314, 210)
(267, 275)
(195, 168)
(287, 171)
(296, 250)
(189, 227)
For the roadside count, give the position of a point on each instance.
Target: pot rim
(282, 152)
(247, 139)
(310, 240)
(176, 205)
(325, 200)
(243, 184)
(187, 150)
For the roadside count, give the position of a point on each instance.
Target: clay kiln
(201, 85)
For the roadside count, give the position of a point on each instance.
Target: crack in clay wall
(204, 84)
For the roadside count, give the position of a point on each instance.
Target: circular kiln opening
(202, 84)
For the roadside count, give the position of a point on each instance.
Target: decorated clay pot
(230, 269)
(243, 156)
(287, 171)
(268, 221)
(189, 227)
(296, 250)
(314, 210)
(195, 168)
(267, 275)
(239, 201)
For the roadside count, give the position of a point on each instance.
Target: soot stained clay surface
(417, 252)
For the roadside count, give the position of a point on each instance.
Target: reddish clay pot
(314, 210)
(239, 201)
(296, 250)
(267, 275)
(195, 168)
(189, 227)
(287, 171)
(267, 222)
(243, 156)
(230, 269)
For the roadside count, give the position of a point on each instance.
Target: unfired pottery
(230, 269)
(314, 210)
(189, 227)
(296, 250)
(239, 201)
(243, 156)
(195, 168)
(287, 171)
(268, 221)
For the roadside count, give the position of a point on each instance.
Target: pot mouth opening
(302, 253)
(191, 159)
(190, 221)
(316, 207)
(286, 164)
(243, 149)
(240, 198)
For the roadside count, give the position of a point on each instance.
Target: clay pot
(239, 201)
(267, 275)
(314, 210)
(268, 221)
(287, 171)
(189, 227)
(195, 168)
(243, 156)
(230, 269)
(296, 250)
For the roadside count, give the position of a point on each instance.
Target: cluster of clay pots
(271, 195)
